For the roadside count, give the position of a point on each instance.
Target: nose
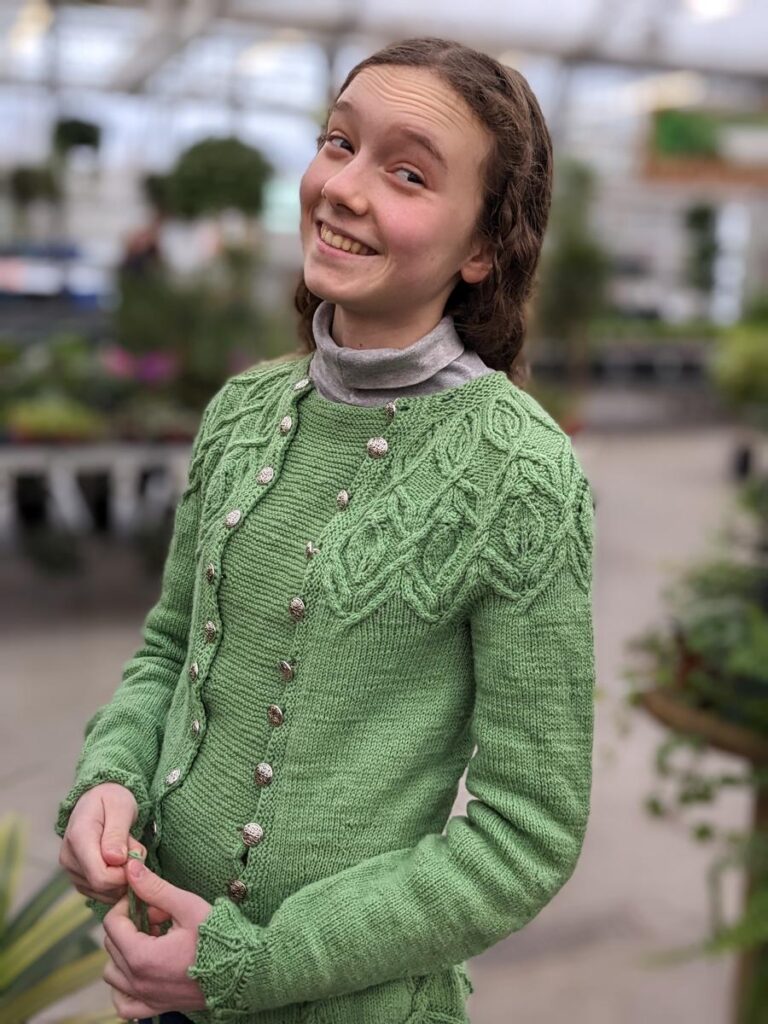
(346, 188)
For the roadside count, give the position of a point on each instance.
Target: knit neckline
(464, 395)
(467, 393)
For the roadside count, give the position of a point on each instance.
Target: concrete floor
(640, 884)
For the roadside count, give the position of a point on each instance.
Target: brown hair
(490, 317)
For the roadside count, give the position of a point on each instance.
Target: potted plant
(704, 674)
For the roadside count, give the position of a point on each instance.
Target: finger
(157, 916)
(118, 979)
(116, 956)
(86, 851)
(134, 846)
(132, 1009)
(157, 892)
(119, 813)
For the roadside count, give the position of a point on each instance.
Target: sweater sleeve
(123, 738)
(451, 896)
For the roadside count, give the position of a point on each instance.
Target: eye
(336, 138)
(418, 177)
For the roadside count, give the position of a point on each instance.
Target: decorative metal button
(253, 833)
(297, 608)
(377, 446)
(265, 475)
(196, 727)
(194, 670)
(237, 890)
(285, 424)
(391, 409)
(210, 572)
(154, 828)
(172, 776)
(311, 550)
(233, 518)
(301, 384)
(263, 773)
(342, 499)
(274, 715)
(210, 631)
(286, 669)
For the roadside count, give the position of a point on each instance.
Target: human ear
(478, 266)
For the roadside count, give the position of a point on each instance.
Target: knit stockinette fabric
(444, 623)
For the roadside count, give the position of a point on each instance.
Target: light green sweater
(355, 598)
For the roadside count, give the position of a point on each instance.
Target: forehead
(390, 96)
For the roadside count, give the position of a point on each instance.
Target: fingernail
(135, 868)
(118, 851)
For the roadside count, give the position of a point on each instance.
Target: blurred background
(150, 157)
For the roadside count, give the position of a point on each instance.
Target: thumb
(157, 892)
(116, 833)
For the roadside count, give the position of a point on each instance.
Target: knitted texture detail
(359, 605)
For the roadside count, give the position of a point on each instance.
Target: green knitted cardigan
(358, 604)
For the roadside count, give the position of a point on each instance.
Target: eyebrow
(413, 134)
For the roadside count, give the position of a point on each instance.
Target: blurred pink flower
(156, 367)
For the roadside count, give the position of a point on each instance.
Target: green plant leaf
(62, 921)
(35, 907)
(55, 987)
(11, 854)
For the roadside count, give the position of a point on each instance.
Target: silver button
(311, 550)
(233, 518)
(285, 424)
(377, 446)
(342, 499)
(263, 773)
(301, 384)
(154, 828)
(253, 833)
(297, 608)
(194, 670)
(196, 727)
(391, 409)
(210, 631)
(274, 715)
(210, 572)
(237, 890)
(265, 475)
(286, 669)
(172, 776)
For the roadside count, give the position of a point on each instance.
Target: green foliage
(739, 368)
(714, 650)
(213, 175)
(574, 266)
(685, 133)
(28, 184)
(71, 131)
(46, 952)
(701, 225)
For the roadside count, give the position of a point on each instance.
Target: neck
(349, 330)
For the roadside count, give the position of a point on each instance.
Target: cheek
(310, 186)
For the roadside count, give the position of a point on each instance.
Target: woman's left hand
(148, 973)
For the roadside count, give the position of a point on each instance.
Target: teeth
(340, 242)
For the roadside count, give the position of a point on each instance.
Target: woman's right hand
(97, 840)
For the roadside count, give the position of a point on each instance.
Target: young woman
(380, 574)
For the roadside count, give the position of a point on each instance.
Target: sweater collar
(343, 369)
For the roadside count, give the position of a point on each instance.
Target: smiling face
(401, 172)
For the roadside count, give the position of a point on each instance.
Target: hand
(97, 840)
(148, 973)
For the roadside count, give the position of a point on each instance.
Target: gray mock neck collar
(367, 376)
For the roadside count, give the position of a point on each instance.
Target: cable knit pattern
(358, 604)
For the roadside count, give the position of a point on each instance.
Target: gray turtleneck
(373, 376)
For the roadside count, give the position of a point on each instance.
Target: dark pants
(169, 1018)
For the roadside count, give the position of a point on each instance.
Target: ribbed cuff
(130, 780)
(232, 963)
